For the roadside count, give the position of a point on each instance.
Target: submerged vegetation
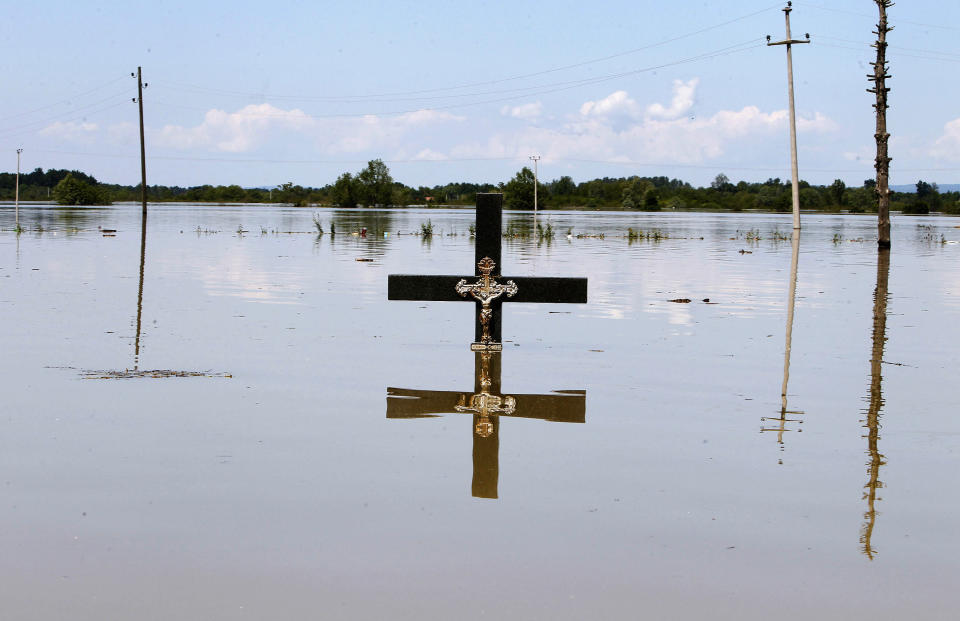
(426, 229)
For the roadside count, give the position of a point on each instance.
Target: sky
(261, 94)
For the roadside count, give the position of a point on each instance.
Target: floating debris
(364, 260)
(680, 301)
(157, 373)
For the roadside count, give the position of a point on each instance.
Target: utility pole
(793, 116)
(535, 158)
(16, 198)
(879, 79)
(143, 152)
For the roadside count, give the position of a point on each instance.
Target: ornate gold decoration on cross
(485, 291)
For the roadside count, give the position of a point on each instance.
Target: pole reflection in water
(487, 404)
(872, 422)
(143, 257)
(782, 420)
(135, 372)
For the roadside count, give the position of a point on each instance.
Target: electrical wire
(31, 126)
(527, 92)
(359, 97)
(892, 47)
(64, 101)
(868, 15)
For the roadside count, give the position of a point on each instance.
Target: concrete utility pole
(143, 152)
(793, 115)
(879, 79)
(535, 158)
(16, 196)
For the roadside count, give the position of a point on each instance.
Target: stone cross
(487, 404)
(490, 290)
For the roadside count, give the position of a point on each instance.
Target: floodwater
(215, 440)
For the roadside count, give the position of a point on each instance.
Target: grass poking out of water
(648, 235)
(545, 233)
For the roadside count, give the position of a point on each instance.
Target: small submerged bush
(516, 231)
(545, 233)
(426, 229)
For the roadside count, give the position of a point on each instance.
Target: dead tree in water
(879, 79)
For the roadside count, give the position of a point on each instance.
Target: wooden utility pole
(16, 199)
(143, 151)
(793, 116)
(879, 79)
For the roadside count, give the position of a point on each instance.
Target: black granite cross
(487, 404)
(488, 292)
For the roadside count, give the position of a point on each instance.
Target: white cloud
(618, 128)
(524, 111)
(616, 104)
(234, 132)
(683, 97)
(947, 146)
(69, 130)
(429, 154)
(256, 125)
(818, 123)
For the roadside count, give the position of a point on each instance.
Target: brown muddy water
(213, 443)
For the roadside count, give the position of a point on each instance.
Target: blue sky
(260, 94)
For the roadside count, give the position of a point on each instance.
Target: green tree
(835, 191)
(345, 191)
(926, 199)
(73, 191)
(722, 183)
(518, 192)
(294, 194)
(564, 186)
(376, 184)
(635, 195)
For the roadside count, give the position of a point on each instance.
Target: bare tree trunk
(879, 79)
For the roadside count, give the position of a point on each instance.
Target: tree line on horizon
(374, 186)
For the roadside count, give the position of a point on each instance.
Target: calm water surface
(276, 487)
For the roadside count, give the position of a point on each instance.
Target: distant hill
(944, 187)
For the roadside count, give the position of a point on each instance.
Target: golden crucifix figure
(485, 291)
(483, 404)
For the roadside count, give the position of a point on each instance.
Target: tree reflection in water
(872, 422)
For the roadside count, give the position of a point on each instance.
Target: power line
(891, 47)
(899, 54)
(62, 102)
(360, 97)
(541, 90)
(60, 115)
(30, 127)
(872, 17)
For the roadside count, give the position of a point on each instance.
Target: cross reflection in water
(487, 404)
